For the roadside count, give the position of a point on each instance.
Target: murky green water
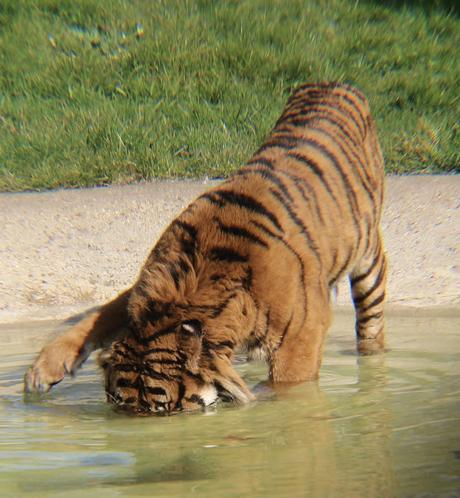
(381, 426)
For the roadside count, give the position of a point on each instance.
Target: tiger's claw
(36, 382)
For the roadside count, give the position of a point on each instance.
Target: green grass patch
(93, 92)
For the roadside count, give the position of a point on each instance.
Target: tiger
(248, 266)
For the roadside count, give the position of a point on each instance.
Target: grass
(93, 92)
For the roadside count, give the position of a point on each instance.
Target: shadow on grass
(428, 6)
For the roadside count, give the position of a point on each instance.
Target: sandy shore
(62, 252)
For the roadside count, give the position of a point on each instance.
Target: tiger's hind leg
(368, 283)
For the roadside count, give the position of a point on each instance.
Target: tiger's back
(322, 174)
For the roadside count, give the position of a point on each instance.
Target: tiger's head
(170, 369)
(190, 310)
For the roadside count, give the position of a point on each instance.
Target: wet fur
(250, 264)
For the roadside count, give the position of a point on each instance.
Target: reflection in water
(375, 426)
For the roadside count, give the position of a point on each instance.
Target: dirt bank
(64, 251)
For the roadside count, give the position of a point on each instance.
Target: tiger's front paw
(54, 362)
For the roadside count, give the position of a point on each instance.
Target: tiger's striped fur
(250, 264)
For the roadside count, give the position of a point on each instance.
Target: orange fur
(250, 264)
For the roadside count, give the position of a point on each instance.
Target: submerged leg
(368, 283)
(68, 351)
(298, 355)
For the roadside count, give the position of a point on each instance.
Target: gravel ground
(64, 251)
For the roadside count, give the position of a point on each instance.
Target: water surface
(380, 426)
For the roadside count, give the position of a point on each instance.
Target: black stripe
(218, 311)
(139, 353)
(127, 367)
(213, 199)
(143, 369)
(303, 284)
(333, 101)
(357, 93)
(370, 226)
(284, 334)
(124, 350)
(261, 160)
(256, 322)
(170, 351)
(349, 89)
(216, 277)
(305, 91)
(300, 184)
(240, 232)
(156, 310)
(362, 276)
(221, 345)
(187, 227)
(187, 307)
(365, 319)
(174, 274)
(184, 266)
(362, 297)
(295, 113)
(195, 376)
(189, 249)
(287, 245)
(313, 165)
(267, 325)
(141, 291)
(356, 160)
(332, 119)
(376, 301)
(312, 91)
(130, 400)
(255, 344)
(287, 202)
(297, 221)
(267, 175)
(338, 122)
(351, 194)
(159, 391)
(296, 116)
(338, 274)
(122, 382)
(339, 97)
(180, 397)
(163, 361)
(156, 335)
(247, 280)
(246, 202)
(266, 230)
(152, 310)
(144, 405)
(359, 111)
(227, 254)
(280, 142)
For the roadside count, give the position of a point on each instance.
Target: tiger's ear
(104, 357)
(191, 343)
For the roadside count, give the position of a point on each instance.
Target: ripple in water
(375, 426)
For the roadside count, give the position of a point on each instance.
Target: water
(382, 426)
